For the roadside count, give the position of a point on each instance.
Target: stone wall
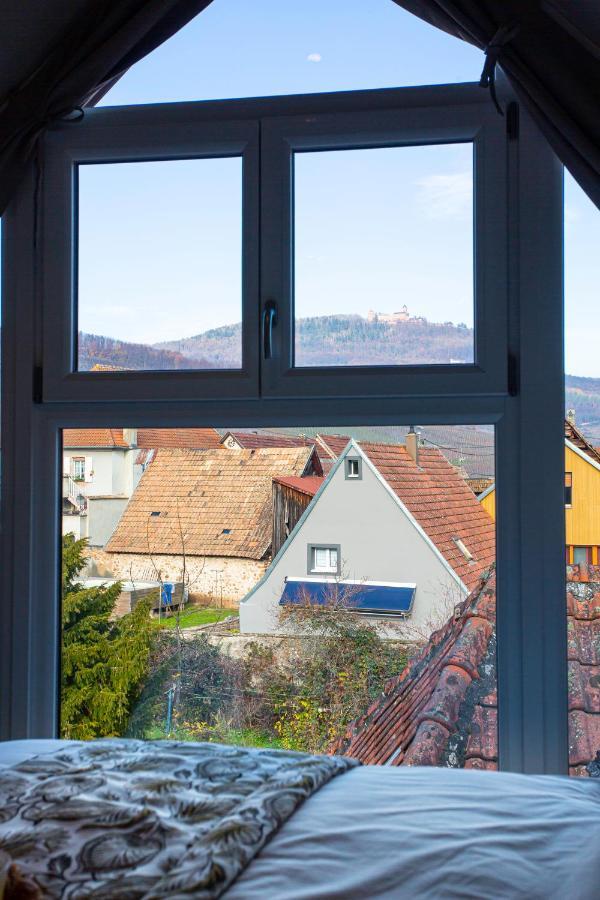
(212, 580)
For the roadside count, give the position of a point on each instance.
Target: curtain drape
(551, 56)
(550, 52)
(104, 40)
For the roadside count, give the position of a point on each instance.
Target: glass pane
(205, 534)
(582, 477)
(384, 256)
(160, 263)
(240, 49)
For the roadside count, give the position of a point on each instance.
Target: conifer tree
(104, 660)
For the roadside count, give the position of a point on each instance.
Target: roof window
(463, 549)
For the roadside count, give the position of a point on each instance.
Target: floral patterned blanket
(125, 820)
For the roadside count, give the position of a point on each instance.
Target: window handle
(269, 322)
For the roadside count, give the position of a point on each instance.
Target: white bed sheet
(428, 834)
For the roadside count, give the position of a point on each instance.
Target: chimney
(571, 416)
(412, 444)
(130, 436)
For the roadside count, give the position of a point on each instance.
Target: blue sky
(235, 49)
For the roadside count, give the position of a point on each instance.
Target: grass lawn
(197, 616)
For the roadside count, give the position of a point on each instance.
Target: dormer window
(353, 467)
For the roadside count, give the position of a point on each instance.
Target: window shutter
(88, 468)
(66, 465)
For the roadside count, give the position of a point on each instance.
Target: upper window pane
(239, 49)
(383, 269)
(160, 265)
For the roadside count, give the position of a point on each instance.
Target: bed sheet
(385, 832)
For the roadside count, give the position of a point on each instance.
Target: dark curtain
(549, 49)
(550, 52)
(102, 42)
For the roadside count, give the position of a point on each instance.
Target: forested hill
(347, 341)
(328, 340)
(99, 351)
(583, 395)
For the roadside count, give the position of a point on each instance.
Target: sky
(375, 229)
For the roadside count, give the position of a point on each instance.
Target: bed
(386, 832)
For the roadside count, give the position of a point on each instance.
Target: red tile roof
(333, 444)
(310, 484)
(75, 438)
(254, 440)
(185, 438)
(442, 709)
(206, 502)
(442, 503)
(147, 438)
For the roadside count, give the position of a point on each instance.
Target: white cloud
(314, 57)
(446, 196)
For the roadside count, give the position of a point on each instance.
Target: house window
(568, 488)
(78, 468)
(582, 556)
(323, 558)
(353, 467)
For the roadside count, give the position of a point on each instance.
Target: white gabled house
(395, 527)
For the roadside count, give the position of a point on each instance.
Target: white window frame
(531, 620)
(75, 465)
(314, 568)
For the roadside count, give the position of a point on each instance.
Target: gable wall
(378, 542)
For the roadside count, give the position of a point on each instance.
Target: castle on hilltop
(389, 318)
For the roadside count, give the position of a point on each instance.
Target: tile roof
(190, 438)
(333, 444)
(573, 434)
(479, 485)
(442, 503)
(147, 438)
(215, 503)
(74, 438)
(310, 484)
(442, 709)
(253, 440)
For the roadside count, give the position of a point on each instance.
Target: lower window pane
(238, 586)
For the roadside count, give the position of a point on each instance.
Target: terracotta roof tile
(333, 444)
(189, 438)
(254, 440)
(309, 484)
(75, 438)
(442, 709)
(442, 503)
(216, 503)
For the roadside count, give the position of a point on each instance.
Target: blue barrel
(167, 594)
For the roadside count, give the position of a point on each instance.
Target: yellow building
(582, 498)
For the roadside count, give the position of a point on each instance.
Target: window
(582, 556)
(568, 488)
(78, 468)
(353, 468)
(322, 558)
(277, 146)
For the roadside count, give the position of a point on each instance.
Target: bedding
(133, 819)
(386, 832)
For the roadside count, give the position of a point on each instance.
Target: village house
(393, 529)
(328, 446)
(204, 518)
(582, 498)
(102, 466)
(442, 710)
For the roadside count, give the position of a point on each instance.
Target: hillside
(96, 350)
(345, 341)
(583, 395)
(327, 340)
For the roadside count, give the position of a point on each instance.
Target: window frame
(313, 569)
(531, 620)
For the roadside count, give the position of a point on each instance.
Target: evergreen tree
(104, 661)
